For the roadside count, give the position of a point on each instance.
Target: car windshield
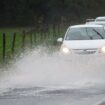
(85, 33)
(100, 20)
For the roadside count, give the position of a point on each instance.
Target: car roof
(86, 25)
(90, 20)
(97, 22)
(100, 18)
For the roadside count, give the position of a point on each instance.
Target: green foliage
(31, 40)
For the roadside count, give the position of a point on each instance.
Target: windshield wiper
(90, 37)
(98, 33)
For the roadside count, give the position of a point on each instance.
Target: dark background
(32, 12)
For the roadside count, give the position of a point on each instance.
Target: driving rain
(41, 78)
(52, 52)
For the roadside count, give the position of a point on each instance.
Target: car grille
(85, 51)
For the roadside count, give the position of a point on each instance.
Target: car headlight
(103, 49)
(65, 50)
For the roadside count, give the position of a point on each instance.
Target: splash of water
(39, 68)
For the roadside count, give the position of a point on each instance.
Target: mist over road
(40, 78)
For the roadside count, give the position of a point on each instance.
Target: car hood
(84, 44)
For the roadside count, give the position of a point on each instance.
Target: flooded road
(43, 96)
(38, 78)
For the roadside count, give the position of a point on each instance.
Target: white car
(97, 22)
(100, 19)
(83, 39)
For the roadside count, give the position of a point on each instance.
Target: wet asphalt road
(43, 96)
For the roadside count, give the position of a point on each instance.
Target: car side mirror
(60, 40)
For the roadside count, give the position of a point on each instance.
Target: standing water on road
(39, 77)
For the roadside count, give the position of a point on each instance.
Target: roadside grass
(18, 42)
(38, 38)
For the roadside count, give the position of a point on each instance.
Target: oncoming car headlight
(65, 49)
(103, 49)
